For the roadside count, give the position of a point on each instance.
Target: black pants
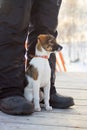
(17, 17)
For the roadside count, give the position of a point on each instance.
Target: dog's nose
(59, 48)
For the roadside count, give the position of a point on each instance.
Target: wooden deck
(75, 118)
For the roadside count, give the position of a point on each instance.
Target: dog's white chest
(44, 71)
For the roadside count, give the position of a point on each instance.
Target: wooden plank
(71, 77)
(55, 114)
(76, 94)
(81, 102)
(47, 121)
(72, 80)
(11, 126)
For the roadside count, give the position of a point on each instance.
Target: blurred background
(72, 29)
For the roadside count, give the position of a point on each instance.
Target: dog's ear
(39, 43)
(41, 38)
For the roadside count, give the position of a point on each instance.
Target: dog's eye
(51, 42)
(49, 48)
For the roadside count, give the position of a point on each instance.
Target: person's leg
(57, 100)
(44, 19)
(14, 22)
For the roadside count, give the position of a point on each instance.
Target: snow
(74, 64)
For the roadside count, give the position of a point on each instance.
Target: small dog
(39, 72)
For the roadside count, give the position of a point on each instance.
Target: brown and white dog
(39, 73)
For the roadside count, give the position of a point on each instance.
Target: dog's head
(48, 42)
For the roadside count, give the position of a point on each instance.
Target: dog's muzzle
(57, 47)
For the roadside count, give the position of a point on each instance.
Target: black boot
(57, 100)
(16, 105)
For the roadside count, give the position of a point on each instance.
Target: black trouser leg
(52, 62)
(14, 21)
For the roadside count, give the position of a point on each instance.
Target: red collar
(46, 57)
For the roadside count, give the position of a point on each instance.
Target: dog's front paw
(48, 108)
(37, 109)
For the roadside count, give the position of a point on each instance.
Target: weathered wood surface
(75, 118)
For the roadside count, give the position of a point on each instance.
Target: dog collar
(45, 57)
